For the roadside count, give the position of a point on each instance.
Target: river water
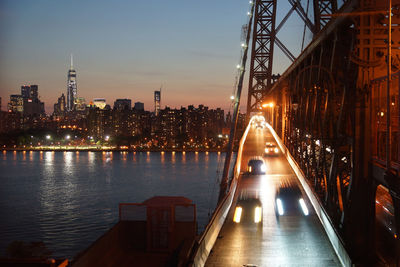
(69, 199)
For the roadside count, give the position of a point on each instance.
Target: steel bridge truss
(264, 39)
(324, 106)
(322, 11)
(260, 80)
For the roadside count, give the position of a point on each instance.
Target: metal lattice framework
(322, 11)
(261, 54)
(331, 109)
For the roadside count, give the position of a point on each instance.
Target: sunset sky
(128, 49)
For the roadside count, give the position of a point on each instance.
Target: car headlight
(276, 150)
(303, 206)
(257, 214)
(263, 168)
(266, 150)
(237, 215)
(279, 206)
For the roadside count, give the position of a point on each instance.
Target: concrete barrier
(210, 234)
(333, 236)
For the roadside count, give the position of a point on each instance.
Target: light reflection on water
(68, 199)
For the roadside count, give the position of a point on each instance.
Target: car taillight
(257, 214)
(237, 215)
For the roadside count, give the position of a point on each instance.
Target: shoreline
(111, 150)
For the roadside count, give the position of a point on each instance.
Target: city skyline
(122, 52)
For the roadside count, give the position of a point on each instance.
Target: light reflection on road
(291, 240)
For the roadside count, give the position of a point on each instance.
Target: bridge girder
(260, 79)
(329, 113)
(322, 11)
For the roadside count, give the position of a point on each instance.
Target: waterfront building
(141, 123)
(27, 103)
(33, 107)
(99, 122)
(169, 125)
(16, 104)
(121, 104)
(216, 120)
(72, 90)
(196, 122)
(11, 121)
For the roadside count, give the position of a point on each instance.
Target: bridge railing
(205, 243)
(334, 237)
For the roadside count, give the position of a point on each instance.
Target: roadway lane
(293, 240)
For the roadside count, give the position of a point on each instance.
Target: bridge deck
(293, 240)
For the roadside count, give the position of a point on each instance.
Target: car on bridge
(271, 149)
(256, 166)
(248, 210)
(289, 201)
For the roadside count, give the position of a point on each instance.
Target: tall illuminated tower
(71, 87)
(157, 101)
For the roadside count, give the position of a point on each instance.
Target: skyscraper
(59, 107)
(71, 87)
(121, 104)
(16, 104)
(157, 102)
(29, 91)
(139, 106)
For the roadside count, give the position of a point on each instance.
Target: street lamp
(271, 113)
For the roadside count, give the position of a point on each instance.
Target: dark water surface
(69, 199)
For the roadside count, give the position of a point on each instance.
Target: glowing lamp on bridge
(266, 105)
